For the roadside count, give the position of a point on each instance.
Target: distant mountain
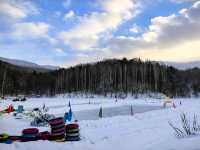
(183, 65)
(27, 64)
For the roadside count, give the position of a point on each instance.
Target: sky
(69, 32)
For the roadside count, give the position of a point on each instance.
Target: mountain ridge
(27, 64)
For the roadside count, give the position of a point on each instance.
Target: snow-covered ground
(147, 129)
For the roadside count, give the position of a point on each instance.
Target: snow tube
(77, 138)
(58, 130)
(58, 126)
(56, 121)
(72, 134)
(15, 138)
(55, 138)
(4, 137)
(30, 131)
(30, 134)
(44, 135)
(27, 139)
(58, 134)
(72, 126)
(72, 130)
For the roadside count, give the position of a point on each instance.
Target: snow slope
(143, 131)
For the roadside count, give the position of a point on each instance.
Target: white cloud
(181, 1)
(17, 9)
(69, 15)
(135, 29)
(31, 30)
(92, 27)
(165, 39)
(60, 52)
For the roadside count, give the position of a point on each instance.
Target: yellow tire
(4, 137)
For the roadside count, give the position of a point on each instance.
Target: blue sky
(69, 32)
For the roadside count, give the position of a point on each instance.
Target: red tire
(30, 131)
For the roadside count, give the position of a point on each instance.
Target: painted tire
(56, 121)
(72, 130)
(58, 127)
(54, 138)
(61, 130)
(30, 135)
(15, 138)
(27, 139)
(4, 137)
(58, 134)
(72, 134)
(72, 126)
(72, 138)
(44, 135)
(30, 131)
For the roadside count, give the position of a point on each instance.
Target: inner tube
(72, 126)
(72, 134)
(54, 138)
(56, 121)
(58, 130)
(15, 138)
(44, 135)
(72, 130)
(4, 137)
(27, 139)
(58, 134)
(30, 131)
(58, 126)
(72, 138)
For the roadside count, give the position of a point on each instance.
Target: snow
(147, 129)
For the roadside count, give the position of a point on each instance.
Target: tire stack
(72, 132)
(57, 129)
(30, 134)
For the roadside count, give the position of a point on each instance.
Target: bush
(188, 127)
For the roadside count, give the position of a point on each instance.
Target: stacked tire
(30, 134)
(72, 132)
(57, 129)
(44, 135)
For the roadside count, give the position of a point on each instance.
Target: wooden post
(132, 110)
(100, 112)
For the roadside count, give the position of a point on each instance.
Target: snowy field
(147, 129)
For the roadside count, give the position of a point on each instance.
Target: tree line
(113, 77)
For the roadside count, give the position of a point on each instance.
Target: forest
(112, 77)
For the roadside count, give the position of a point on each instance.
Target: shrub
(188, 127)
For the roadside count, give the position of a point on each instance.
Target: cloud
(60, 52)
(17, 9)
(69, 15)
(93, 26)
(181, 1)
(165, 35)
(31, 30)
(135, 29)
